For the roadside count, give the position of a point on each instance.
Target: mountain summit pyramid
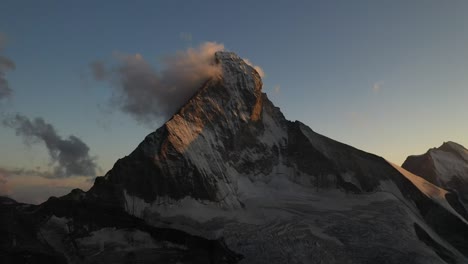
(230, 134)
(228, 179)
(229, 165)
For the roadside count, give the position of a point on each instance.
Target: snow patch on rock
(449, 165)
(430, 190)
(123, 239)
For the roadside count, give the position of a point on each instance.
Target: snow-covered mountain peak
(445, 166)
(450, 160)
(455, 149)
(221, 107)
(227, 129)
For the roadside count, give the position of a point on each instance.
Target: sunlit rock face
(446, 167)
(197, 152)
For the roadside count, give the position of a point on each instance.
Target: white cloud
(256, 67)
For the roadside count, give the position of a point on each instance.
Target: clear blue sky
(388, 77)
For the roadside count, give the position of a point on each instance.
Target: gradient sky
(388, 77)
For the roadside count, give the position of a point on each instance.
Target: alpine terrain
(446, 167)
(229, 180)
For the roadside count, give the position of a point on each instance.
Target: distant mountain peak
(445, 166)
(455, 148)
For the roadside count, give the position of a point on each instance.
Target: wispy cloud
(10, 172)
(6, 64)
(70, 156)
(256, 67)
(8, 176)
(377, 87)
(148, 94)
(29, 189)
(277, 89)
(98, 70)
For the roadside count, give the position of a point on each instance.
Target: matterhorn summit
(227, 179)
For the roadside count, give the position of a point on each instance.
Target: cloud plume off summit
(148, 94)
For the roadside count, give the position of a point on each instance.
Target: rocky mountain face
(228, 179)
(446, 167)
(230, 131)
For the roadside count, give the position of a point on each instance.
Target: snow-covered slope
(74, 230)
(433, 192)
(446, 167)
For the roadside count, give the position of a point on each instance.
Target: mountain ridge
(229, 172)
(445, 166)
